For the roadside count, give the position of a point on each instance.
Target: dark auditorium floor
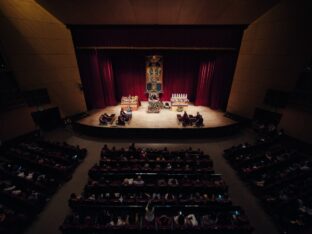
(54, 213)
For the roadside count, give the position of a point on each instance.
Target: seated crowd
(279, 172)
(124, 194)
(190, 120)
(30, 172)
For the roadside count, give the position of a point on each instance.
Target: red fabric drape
(222, 80)
(107, 77)
(97, 79)
(205, 83)
(180, 75)
(108, 86)
(130, 76)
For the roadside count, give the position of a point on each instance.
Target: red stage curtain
(180, 75)
(129, 70)
(97, 79)
(108, 86)
(107, 77)
(205, 83)
(222, 80)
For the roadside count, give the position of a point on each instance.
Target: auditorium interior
(155, 116)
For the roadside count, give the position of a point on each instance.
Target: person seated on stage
(199, 122)
(185, 116)
(103, 120)
(185, 119)
(198, 116)
(109, 116)
(124, 115)
(121, 120)
(129, 110)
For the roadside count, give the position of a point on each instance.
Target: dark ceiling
(158, 12)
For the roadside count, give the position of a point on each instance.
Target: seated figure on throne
(153, 97)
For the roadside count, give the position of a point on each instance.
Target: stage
(163, 124)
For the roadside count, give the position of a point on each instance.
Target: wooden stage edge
(158, 125)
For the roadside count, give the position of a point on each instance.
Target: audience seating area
(30, 172)
(146, 190)
(280, 175)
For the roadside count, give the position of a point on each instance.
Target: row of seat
(30, 172)
(115, 200)
(280, 174)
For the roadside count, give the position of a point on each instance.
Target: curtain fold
(180, 75)
(107, 77)
(108, 84)
(129, 76)
(205, 83)
(97, 79)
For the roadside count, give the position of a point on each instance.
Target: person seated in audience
(209, 219)
(179, 219)
(164, 222)
(173, 182)
(104, 218)
(146, 167)
(161, 182)
(73, 196)
(169, 197)
(191, 221)
(128, 181)
(149, 212)
(138, 181)
(133, 219)
(2, 215)
(156, 196)
(91, 198)
(122, 220)
(114, 220)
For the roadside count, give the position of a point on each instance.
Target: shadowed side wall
(275, 49)
(39, 50)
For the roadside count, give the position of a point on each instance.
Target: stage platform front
(163, 124)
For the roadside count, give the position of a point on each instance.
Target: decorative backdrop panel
(154, 74)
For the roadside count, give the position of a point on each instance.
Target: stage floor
(165, 119)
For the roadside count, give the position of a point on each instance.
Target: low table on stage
(179, 102)
(130, 101)
(179, 106)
